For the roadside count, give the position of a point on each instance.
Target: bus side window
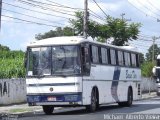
(85, 60)
(113, 56)
(137, 60)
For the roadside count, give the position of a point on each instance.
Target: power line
(141, 10)
(146, 36)
(35, 11)
(148, 9)
(153, 5)
(60, 5)
(32, 16)
(96, 15)
(38, 23)
(43, 3)
(8, 21)
(100, 8)
(140, 45)
(44, 8)
(144, 39)
(97, 18)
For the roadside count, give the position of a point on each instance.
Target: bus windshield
(56, 60)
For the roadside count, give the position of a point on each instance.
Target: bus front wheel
(94, 101)
(48, 110)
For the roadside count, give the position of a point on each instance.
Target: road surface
(142, 107)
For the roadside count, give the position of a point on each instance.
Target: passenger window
(113, 57)
(104, 55)
(137, 60)
(127, 59)
(133, 58)
(95, 57)
(120, 58)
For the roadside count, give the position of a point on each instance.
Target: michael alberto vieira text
(131, 116)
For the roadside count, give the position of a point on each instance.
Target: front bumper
(55, 99)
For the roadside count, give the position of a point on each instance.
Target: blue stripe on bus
(114, 86)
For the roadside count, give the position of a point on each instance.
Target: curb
(147, 95)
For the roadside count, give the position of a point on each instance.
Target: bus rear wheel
(128, 103)
(94, 102)
(47, 109)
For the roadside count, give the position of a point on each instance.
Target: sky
(16, 34)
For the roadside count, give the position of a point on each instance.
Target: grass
(20, 110)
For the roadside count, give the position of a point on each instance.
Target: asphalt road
(147, 106)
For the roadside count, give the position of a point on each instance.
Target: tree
(95, 30)
(116, 28)
(4, 48)
(66, 31)
(141, 58)
(146, 68)
(149, 54)
(121, 31)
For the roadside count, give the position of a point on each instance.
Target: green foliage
(77, 23)
(146, 68)
(11, 64)
(4, 48)
(141, 58)
(66, 31)
(116, 28)
(121, 31)
(149, 54)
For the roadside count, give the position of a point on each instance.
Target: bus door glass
(85, 58)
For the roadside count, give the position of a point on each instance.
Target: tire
(48, 110)
(129, 101)
(94, 102)
(129, 98)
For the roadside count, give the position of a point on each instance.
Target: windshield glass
(39, 61)
(56, 60)
(65, 60)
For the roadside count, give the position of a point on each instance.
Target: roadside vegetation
(11, 63)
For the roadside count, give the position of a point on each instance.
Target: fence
(148, 85)
(14, 90)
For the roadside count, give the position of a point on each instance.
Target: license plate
(51, 98)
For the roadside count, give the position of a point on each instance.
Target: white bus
(73, 71)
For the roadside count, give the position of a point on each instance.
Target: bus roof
(71, 40)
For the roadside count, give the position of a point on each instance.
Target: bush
(11, 64)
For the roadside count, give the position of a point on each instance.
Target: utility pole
(0, 12)
(154, 39)
(123, 19)
(85, 20)
(122, 16)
